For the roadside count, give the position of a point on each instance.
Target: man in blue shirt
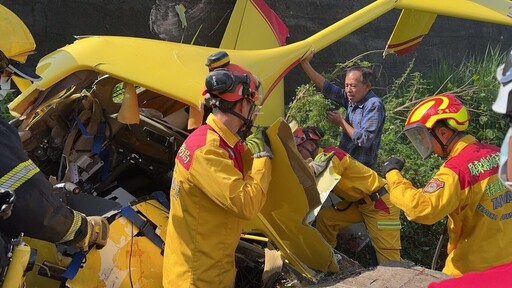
(365, 112)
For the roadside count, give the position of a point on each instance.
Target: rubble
(392, 274)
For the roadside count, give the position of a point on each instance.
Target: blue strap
(80, 124)
(74, 266)
(104, 156)
(160, 197)
(143, 225)
(99, 138)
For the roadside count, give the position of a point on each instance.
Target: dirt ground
(390, 275)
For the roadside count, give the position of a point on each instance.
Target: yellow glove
(320, 163)
(259, 144)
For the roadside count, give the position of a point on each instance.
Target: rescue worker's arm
(430, 204)
(356, 180)
(214, 173)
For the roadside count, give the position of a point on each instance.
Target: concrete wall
(53, 24)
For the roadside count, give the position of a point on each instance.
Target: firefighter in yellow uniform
(466, 188)
(210, 192)
(37, 211)
(365, 198)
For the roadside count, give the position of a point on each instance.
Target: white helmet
(503, 105)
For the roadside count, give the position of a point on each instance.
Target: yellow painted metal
(503, 7)
(17, 42)
(292, 195)
(254, 237)
(177, 70)
(248, 29)
(45, 252)
(109, 267)
(417, 18)
(126, 260)
(409, 30)
(16, 268)
(484, 10)
(156, 213)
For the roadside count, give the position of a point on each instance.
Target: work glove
(391, 164)
(259, 144)
(320, 163)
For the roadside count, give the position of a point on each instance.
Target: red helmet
(423, 117)
(232, 83)
(440, 107)
(312, 133)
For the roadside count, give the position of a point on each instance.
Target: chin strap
(312, 153)
(445, 146)
(248, 122)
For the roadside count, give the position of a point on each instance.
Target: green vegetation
(4, 110)
(473, 81)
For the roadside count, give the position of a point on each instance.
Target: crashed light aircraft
(142, 97)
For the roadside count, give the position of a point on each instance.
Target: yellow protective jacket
(357, 180)
(210, 196)
(478, 205)
(381, 217)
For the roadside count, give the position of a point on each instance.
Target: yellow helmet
(440, 107)
(17, 42)
(444, 107)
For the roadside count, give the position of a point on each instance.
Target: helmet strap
(445, 146)
(243, 132)
(310, 152)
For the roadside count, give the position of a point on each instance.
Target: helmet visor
(301, 135)
(421, 139)
(503, 104)
(505, 149)
(504, 72)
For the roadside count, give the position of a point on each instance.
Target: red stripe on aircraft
(405, 42)
(276, 24)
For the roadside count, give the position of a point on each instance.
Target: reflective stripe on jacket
(37, 211)
(478, 205)
(210, 195)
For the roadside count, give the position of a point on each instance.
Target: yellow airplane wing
(410, 29)
(172, 69)
(417, 18)
(251, 20)
(479, 10)
(503, 7)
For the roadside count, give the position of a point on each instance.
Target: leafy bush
(4, 110)
(473, 81)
